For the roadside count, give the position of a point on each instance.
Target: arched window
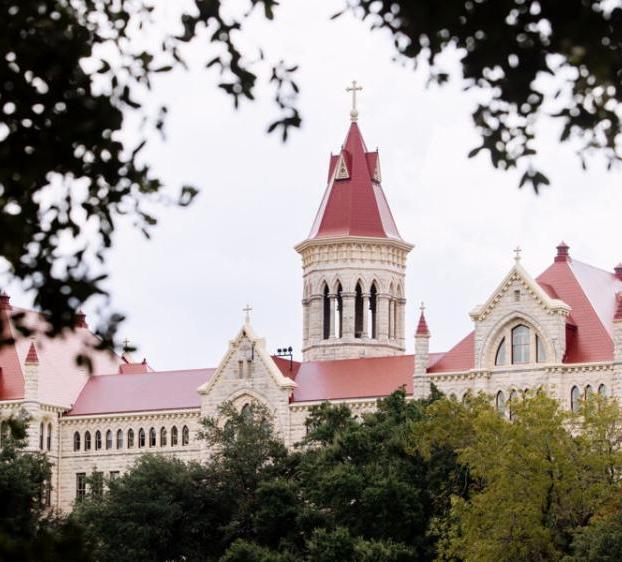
(520, 344)
(49, 437)
(4, 432)
(358, 312)
(87, 441)
(540, 351)
(163, 437)
(327, 312)
(108, 439)
(575, 399)
(500, 355)
(130, 438)
(602, 390)
(119, 439)
(41, 430)
(245, 412)
(500, 403)
(98, 440)
(185, 435)
(512, 404)
(76, 441)
(152, 437)
(373, 299)
(141, 438)
(174, 436)
(589, 392)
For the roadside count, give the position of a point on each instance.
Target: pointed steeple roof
(32, 358)
(354, 203)
(422, 327)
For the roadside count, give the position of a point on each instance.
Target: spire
(32, 358)
(354, 203)
(422, 327)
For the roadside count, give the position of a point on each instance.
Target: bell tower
(353, 262)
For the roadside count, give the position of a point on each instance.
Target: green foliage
(28, 531)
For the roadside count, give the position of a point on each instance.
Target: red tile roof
(167, 390)
(354, 206)
(461, 357)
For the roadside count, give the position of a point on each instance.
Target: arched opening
(174, 436)
(512, 404)
(185, 435)
(98, 440)
(87, 441)
(245, 412)
(152, 437)
(602, 390)
(49, 437)
(575, 399)
(76, 441)
(339, 315)
(359, 327)
(163, 437)
(141, 438)
(130, 438)
(108, 439)
(589, 392)
(373, 294)
(119, 439)
(520, 344)
(41, 430)
(326, 313)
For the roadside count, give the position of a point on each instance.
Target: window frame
(87, 440)
(76, 441)
(98, 440)
(130, 438)
(185, 436)
(174, 436)
(80, 486)
(119, 439)
(142, 438)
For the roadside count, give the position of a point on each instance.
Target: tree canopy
(72, 72)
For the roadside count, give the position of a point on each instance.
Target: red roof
(356, 205)
(168, 390)
(422, 327)
(461, 357)
(366, 377)
(60, 378)
(31, 357)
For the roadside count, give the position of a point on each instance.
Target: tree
(28, 531)
(537, 479)
(70, 74)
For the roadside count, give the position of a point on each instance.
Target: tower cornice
(314, 242)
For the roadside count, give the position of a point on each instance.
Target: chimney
(562, 252)
(421, 383)
(618, 271)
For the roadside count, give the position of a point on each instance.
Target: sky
(183, 291)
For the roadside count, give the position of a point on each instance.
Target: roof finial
(354, 114)
(422, 326)
(247, 313)
(517, 252)
(422, 307)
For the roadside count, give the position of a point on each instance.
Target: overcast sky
(184, 290)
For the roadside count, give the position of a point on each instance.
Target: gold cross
(354, 88)
(247, 309)
(517, 252)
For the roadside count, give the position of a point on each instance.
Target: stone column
(382, 317)
(421, 384)
(347, 300)
(333, 315)
(316, 319)
(306, 307)
(365, 333)
(401, 320)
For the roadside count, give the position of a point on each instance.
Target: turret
(421, 383)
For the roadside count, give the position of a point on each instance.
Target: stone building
(560, 331)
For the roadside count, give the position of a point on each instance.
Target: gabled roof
(144, 392)
(355, 205)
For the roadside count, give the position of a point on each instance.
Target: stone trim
(129, 416)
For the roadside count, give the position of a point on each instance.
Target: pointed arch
(373, 304)
(326, 311)
(359, 324)
(339, 310)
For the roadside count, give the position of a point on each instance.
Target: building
(560, 331)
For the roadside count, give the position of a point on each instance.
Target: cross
(422, 307)
(247, 310)
(517, 252)
(354, 88)
(126, 345)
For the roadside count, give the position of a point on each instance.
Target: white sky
(184, 290)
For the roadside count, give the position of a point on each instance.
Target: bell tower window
(373, 294)
(326, 316)
(358, 312)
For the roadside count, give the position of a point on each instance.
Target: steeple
(354, 262)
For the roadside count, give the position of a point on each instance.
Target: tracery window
(500, 402)
(174, 436)
(87, 441)
(152, 437)
(108, 439)
(119, 439)
(98, 440)
(76, 441)
(575, 399)
(163, 437)
(185, 435)
(141, 438)
(130, 438)
(520, 344)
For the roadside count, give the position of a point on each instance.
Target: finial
(354, 114)
(517, 252)
(422, 307)
(422, 326)
(247, 311)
